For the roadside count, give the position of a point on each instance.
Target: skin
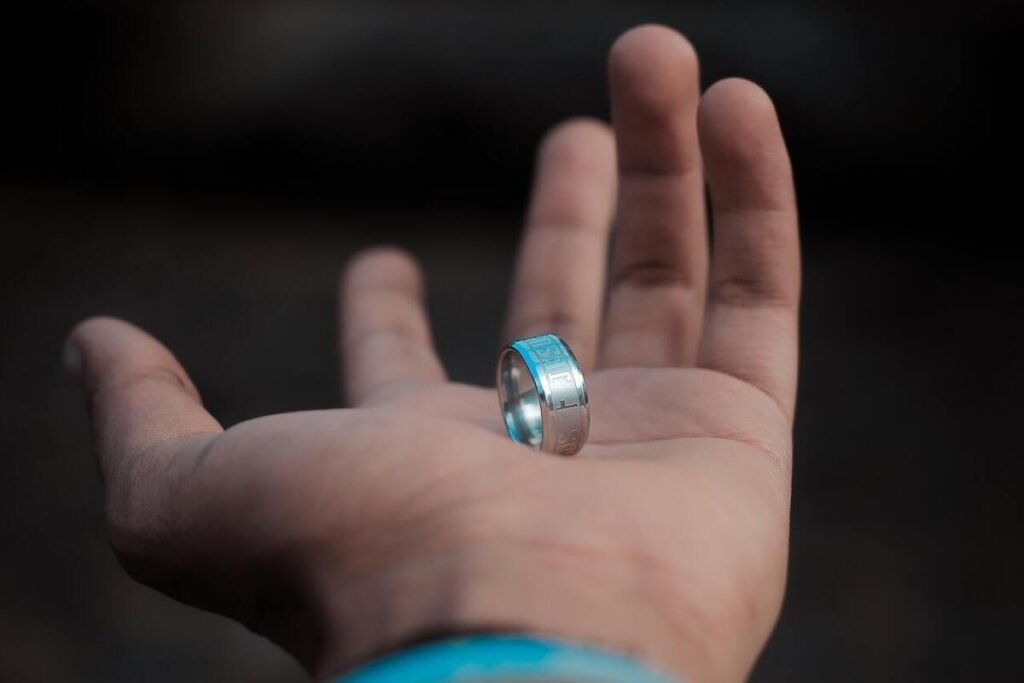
(341, 534)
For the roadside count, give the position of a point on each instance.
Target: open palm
(342, 533)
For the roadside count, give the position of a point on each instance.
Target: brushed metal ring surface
(543, 395)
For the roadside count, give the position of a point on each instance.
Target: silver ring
(543, 395)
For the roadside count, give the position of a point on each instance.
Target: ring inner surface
(521, 404)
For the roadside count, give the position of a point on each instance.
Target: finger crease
(653, 273)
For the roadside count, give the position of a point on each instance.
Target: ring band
(543, 395)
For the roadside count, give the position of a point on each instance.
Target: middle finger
(659, 259)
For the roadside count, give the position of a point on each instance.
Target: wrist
(492, 587)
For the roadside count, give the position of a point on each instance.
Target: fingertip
(651, 62)
(94, 326)
(383, 331)
(576, 176)
(101, 347)
(580, 132)
(654, 83)
(736, 89)
(738, 123)
(384, 267)
(641, 46)
(579, 143)
(84, 339)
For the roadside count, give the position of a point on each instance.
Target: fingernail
(72, 359)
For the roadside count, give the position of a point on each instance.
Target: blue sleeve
(481, 659)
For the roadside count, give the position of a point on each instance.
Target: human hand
(340, 534)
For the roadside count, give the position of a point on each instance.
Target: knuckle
(651, 272)
(752, 291)
(164, 375)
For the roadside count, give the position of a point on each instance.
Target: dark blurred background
(204, 169)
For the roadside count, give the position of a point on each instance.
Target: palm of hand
(679, 499)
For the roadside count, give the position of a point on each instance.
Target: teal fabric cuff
(503, 658)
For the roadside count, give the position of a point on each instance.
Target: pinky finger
(385, 335)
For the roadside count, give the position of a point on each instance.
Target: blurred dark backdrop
(204, 169)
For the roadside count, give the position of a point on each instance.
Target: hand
(343, 533)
